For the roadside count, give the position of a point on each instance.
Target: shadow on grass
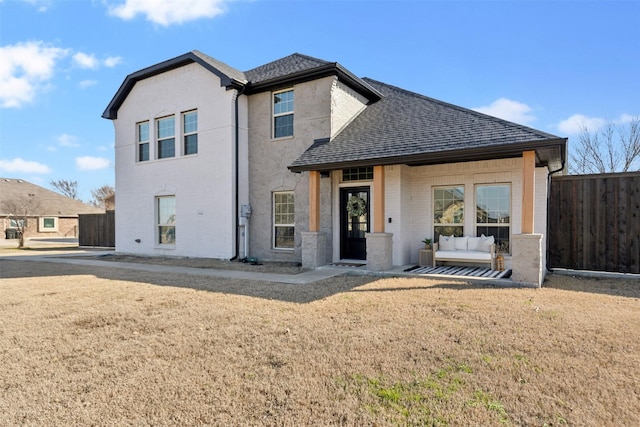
(295, 293)
(622, 287)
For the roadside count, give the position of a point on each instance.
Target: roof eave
(315, 73)
(453, 156)
(111, 112)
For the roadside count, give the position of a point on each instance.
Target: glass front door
(354, 222)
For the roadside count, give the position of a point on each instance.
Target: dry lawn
(102, 346)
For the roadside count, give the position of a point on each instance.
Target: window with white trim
(47, 224)
(283, 114)
(283, 220)
(166, 219)
(190, 132)
(448, 211)
(166, 134)
(143, 141)
(493, 213)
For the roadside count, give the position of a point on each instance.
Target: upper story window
(166, 128)
(448, 211)
(283, 114)
(143, 141)
(190, 132)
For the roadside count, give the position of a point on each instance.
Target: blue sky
(550, 65)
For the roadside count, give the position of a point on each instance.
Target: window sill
(283, 138)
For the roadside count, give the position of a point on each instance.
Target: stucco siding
(202, 184)
(269, 158)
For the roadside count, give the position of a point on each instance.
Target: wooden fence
(594, 222)
(97, 230)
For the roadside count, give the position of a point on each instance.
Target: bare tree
(22, 209)
(614, 148)
(100, 194)
(66, 188)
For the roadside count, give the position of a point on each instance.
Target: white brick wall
(202, 184)
(411, 208)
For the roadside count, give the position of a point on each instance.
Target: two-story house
(300, 160)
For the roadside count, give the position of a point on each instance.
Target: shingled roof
(298, 68)
(409, 128)
(48, 202)
(287, 71)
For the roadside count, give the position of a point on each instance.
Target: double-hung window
(166, 132)
(190, 132)
(166, 219)
(493, 213)
(448, 211)
(143, 141)
(283, 114)
(283, 220)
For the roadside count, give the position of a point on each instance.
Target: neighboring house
(299, 160)
(42, 212)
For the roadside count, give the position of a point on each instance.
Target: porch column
(528, 190)
(314, 201)
(379, 243)
(378, 199)
(315, 251)
(526, 248)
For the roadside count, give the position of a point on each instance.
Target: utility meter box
(245, 211)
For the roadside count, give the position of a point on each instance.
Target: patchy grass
(82, 346)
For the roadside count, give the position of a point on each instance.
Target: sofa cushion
(485, 243)
(470, 256)
(447, 243)
(460, 243)
(473, 243)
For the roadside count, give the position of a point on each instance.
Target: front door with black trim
(354, 222)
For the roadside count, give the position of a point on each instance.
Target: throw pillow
(486, 242)
(447, 243)
(473, 244)
(460, 243)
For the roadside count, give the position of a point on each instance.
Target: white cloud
(574, 124)
(169, 12)
(23, 166)
(508, 109)
(66, 140)
(85, 60)
(25, 69)
(87, 83)
(112, 61)
(92, 163)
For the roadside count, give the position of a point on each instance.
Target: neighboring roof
(408, 128)
(229, 76)
(292, 69)
(48, 202)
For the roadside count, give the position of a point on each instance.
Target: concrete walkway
(49, 251)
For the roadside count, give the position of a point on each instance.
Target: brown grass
(83, 346)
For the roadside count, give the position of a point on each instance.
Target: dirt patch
(83, 345)
(258, 267)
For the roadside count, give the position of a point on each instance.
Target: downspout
(237, 173)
